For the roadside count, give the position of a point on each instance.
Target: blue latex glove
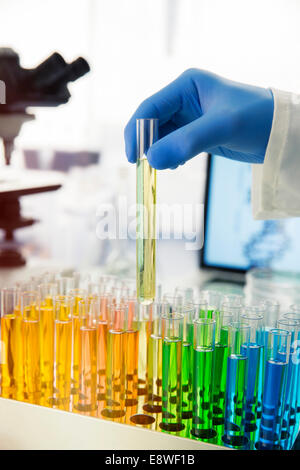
(200, 112)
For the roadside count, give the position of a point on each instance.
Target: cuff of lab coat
(265, 176)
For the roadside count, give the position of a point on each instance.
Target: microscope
(44, 85)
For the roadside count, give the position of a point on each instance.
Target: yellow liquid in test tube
(145, 243)
(31, 341)
(115, 376)
(63, 357)
(87, 401)
(12, 382)
(76, 328)
(47, 351)
(147, 131)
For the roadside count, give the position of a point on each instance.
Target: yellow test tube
(78, 295)
(63, 306)
(47, 293)
(12, 382)
(115, 367)
(102, 330)
(131, 354)
(31, 343)
(147, 134)
(87, 397)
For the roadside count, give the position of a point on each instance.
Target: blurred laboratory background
(133, 48)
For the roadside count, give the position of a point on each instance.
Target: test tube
(213, 301)
(174, 300)
(274, 389)
(147, 134)
(47, 292)
(87, 397)
(233, 299)
(143, 324)
(221, 353)
(237, 370)
(200, 306)
(295, 315)
(132, 354)
(102, 331)
(12, 380)
(232, 307)
(290, 422)
(172, 334)
(31, 343)
(255, 353)
(154, 362)
(65, 284)
(187, 365)
(115, 365)
(204, 344)
(271, 316)
(78, 295)
(187, 294)
(63, 307)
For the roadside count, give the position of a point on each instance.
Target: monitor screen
(233, 239)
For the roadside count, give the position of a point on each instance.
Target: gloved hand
(200, 112)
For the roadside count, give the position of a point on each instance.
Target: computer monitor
(233, 240)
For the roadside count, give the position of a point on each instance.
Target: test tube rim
(286, 315)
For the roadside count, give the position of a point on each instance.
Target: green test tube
(172, 335)
(204, 344)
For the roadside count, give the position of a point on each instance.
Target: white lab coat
(276, 183)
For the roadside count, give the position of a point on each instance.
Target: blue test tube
(255, 353)
(274, 389)
(271, 316)
(290, 425)
(237, 372)
(294, 314)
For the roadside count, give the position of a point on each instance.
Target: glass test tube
(221, 353)
(147, 134)
(204, 344)
(132, 354)
(274, 389)
(31, 343)
(115, 365)
(295, 315)
(233, 308)
(65, 284)
(271, 316)
(47, 292)
(154, 362)
(186, 294)
(102, 330)
(87, 397)
(143, 324)
(173, 300)
(172, 334)
(290, 423)
(12, 377)
(255, 353)
(187, 366)
(63, 307)
(201, 308)
(237, 369)
(78, 295)
(213, 301)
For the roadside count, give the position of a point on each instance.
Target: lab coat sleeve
(276, 182)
